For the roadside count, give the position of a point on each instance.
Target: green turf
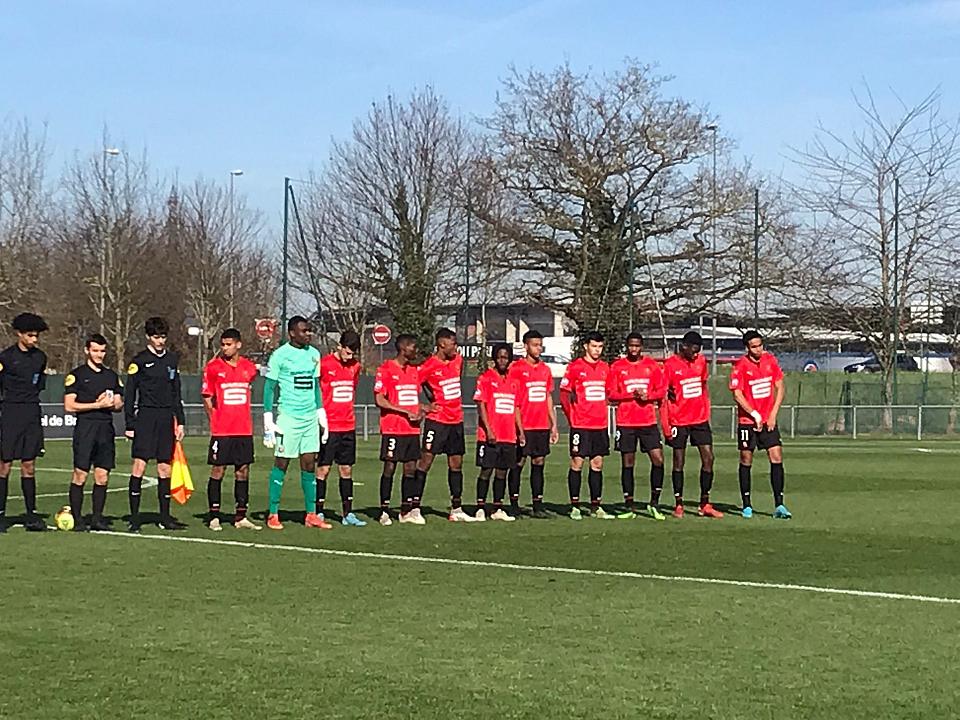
(110, 626)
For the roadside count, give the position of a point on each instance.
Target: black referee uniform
(151, 403)
(22, 378)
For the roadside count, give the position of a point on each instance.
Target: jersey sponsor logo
(761, 388)
(504, 404)
(342, 391)
(236, 394)
(133, 369)
(407, 395)
(633, 384)
(691, 388)
(451, 388)
(594, 390)
(171, 373)
(303, 382)
(69, 380)
(536, 392)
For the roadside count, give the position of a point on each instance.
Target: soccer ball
(64, 518)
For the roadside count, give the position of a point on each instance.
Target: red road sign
(381, 334)
(266, 328)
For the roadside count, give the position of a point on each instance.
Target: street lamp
(196, 331)
(713, 248)
(233, 174)
(105, 249)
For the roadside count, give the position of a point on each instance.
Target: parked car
(905, 363)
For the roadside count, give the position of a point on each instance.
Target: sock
(574, 480)
(513, 484)
(241, 497)
(275, 487)
(133, 494)
(321, 491)
(76, 500)
(4, 489)
(536, 484)
(595, 483)
(656, 484)
(419, 486)
(163, 496)
(408, 486)
(677, 477)
(214, 488)
(706, 483)
(628, 485)
(745, 484)
(455, 481)
(346, 495)
(386, 490)
(308, 481)
(99, 500)
(483, 487)
(29, 487)
(776, 482)
(499, 490)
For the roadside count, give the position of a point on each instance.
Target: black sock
(574, 480)
(656, 484)
(499, 490)
(513, 486)
(677, 477)
(4, 490)
(76, 500)
(483, 487)
(214, 487)
(706, 483)
(455, 481)
(595, 483)
(408, 484)
(346, 495)
(29, 487)
(321, 495)
(99, 500)
(776, 482)
(163, 496)
(133, 493)
(419, 486)
(628, 485)
(386, 490)
(241, 498)
(536, 484)
(745, 485)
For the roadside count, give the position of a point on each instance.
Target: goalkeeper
(296, 430)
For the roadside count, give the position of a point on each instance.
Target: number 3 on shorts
(392, 444)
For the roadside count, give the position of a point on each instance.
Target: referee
(22, 378)
(151, 405)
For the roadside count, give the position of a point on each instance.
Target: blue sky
(207, 86)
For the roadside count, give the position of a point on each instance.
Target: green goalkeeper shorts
(298, 436)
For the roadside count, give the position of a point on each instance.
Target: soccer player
(583, 397)
(635, 386)
(686, 416)
(757, 385)
(339, 374)
(152, 407)
(93, 393)
(22, 378)
(499, 431)
(396, 391)
(226, 393)
(539, 418)
(443, 427)
(300, 417)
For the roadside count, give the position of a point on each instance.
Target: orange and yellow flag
(181, 484)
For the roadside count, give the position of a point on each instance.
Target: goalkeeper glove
(270, 430)
(324, 429)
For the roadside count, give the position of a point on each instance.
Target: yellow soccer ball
(64, 518)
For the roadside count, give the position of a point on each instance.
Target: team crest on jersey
(69, 380)
(133, 369)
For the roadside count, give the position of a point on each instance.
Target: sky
(208, 86)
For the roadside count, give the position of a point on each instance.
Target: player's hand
(522, 438)
(554, 435)
(757, 420)
(270, 430)
(771, 422)
(414, 417)
(128, 434)
(178, 432)
(324, 427)
(103, 402)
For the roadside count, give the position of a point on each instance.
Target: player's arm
(207, 391)
(130, 398)
(518, 420)
(552, 414)
(568, 393)
(657, 388)
(484, 421)
(117, 394)
(615, 391)
(745, 405)
(781, 391)
(42, 380)
(381, 401)
(178, 407)
(71, 405)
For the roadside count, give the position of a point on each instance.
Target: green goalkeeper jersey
(295, 372)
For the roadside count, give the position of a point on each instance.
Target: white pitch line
(549, 569)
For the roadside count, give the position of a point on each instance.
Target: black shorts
(235, 450)
(589, 443)
(749, 438)
(153, 437)
(698, 435)
(94, 446)
(648, 438)
(443, 439)
(496, 456)
(538, 444)
(399, 448)
(340, 449)
(21, 433)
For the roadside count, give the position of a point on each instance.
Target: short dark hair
(593, 336)
(156, 326)
(635, 336)
(502, 346)
(692, 338)
(29, 322)
(751, 335)
(445, 334)
(230, 334)
(94, 339)
(403, 340)
(532, 335)
(350, 339)
(296, 320)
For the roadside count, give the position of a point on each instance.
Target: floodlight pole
(896, 285)
(286, 227)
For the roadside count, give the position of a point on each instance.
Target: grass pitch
(122, 627)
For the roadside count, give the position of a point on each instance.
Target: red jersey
(229, 387)
(401, 386)
(536, 393)
(688, 400)
(625, 377)
(338, 389)
(587, 382)
(757, 381)
(500, 394)
(443, 379)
